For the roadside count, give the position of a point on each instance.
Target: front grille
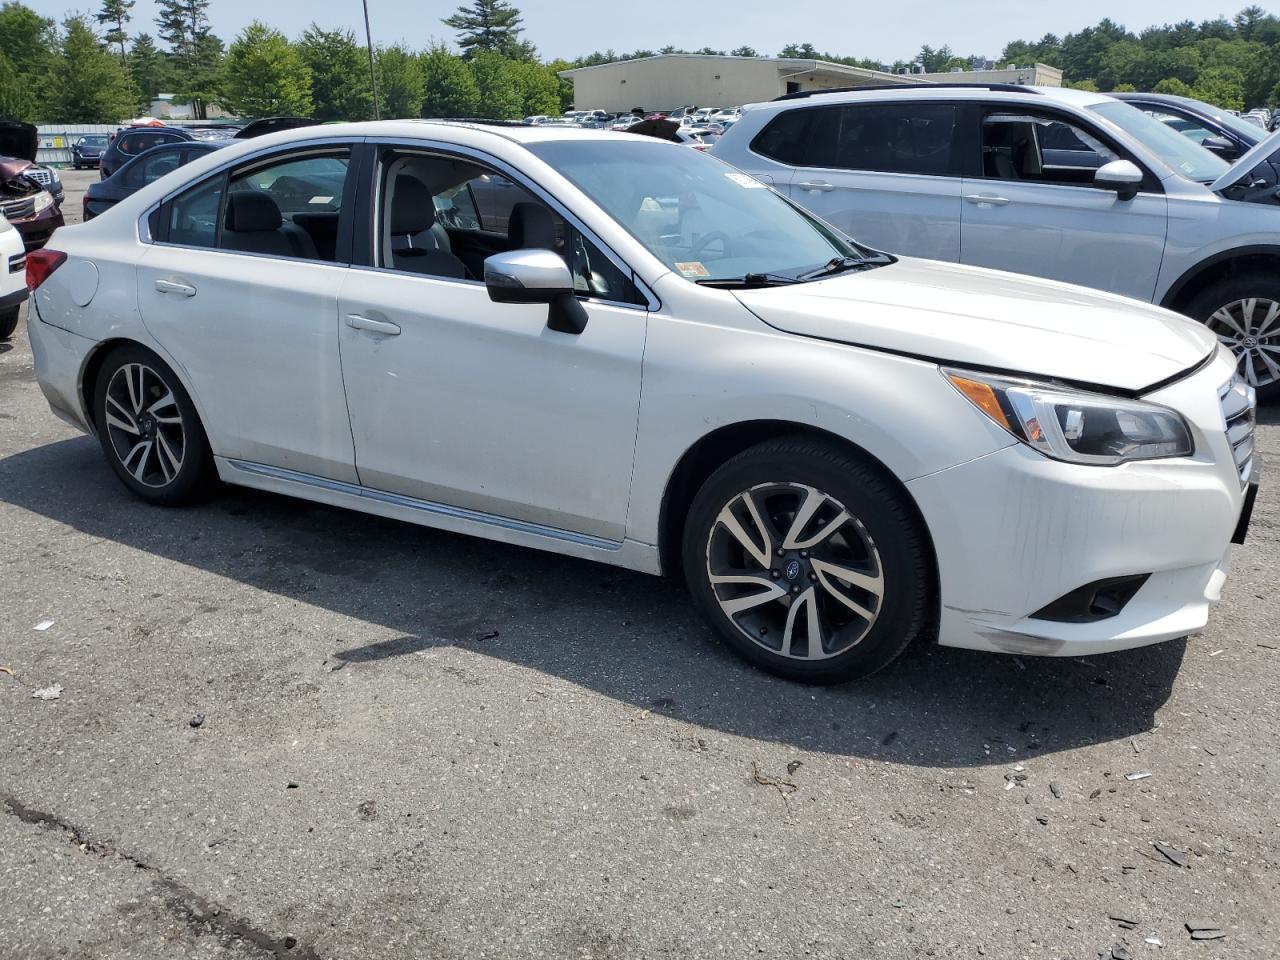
(1239, 410)
(18, 263)
(17, 209)
(40, 175)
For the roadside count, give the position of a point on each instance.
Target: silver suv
(1056, 183)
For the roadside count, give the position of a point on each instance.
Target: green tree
(449, 87)
(498, 97)
(400, 85)
(339, 74)
(1174, 86)
(744, 51)
(537, 87)
(934, 61)
(116, 14)
(563, 86)
(27, 39)
(88, 84)
(1222, 86)
(197, 53)
(265, 76)
(16, 99)
(491, 26)
(800, 51)
(148, 68)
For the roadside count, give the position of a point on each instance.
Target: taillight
(41, 263)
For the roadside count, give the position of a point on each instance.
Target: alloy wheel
(1251, 329)
(794, 571)
(144, 425)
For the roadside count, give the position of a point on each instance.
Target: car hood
(986, 318)
(1257, 154)
(18, 141)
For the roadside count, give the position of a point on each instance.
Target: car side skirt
(631, 554)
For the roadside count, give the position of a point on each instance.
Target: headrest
(532, 226)
(252, 211)
(412, 207)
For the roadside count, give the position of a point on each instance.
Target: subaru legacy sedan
(657, 362)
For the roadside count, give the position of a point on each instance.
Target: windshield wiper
(748, 280)
(843, 264)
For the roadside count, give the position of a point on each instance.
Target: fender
(1175, 290)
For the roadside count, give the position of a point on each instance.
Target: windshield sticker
(742, 180)
(693, 268)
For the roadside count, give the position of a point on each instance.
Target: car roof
(509, 131)
(919, 91)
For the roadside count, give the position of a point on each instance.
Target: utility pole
(373, 74)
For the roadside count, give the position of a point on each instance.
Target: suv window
(899, 137)
(150, 169)
(1040, 148)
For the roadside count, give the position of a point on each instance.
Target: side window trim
(458, 151)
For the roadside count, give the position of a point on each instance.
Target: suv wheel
(807, 562)
(8, 322)
(1244, 313)
(149, 429)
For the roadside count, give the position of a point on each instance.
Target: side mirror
(536, 276)
(1221, 146)
(1122, 176)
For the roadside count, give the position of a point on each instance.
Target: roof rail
(482, 121)
(920, 85)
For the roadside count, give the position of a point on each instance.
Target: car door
(243, 297)
(460, 401)
(1035, 209)
(887, 173)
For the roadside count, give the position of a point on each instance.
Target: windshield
(698, 215)
(1185, 157)
(92, 141)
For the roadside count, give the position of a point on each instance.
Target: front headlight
(1074, 425)
(44, 199)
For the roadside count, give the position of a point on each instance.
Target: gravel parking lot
(416, 744)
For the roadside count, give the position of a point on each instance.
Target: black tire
(9, 322)
(882, 526)
(151, 474)
(1229, 292)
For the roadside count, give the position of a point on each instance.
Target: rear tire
(9, 322)
(808, 562)
(1244, 313)
(149, 429)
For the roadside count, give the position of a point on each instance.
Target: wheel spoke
(1272, 367)
(769, 591)
(808, 602)
(1250, 373)
(758, 551)
(121, 418)
(169, 463)
(1225, 315)
(1273, 311)
(164, 402)
(137, 398)
(142, 451)
(812, 503)
(829, 574)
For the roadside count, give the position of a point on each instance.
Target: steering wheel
(710, 238)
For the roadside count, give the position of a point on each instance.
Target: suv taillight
(41, 263)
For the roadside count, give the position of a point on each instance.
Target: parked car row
(637, 354)
(1056, 183)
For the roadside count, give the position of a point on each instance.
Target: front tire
(808, 562)
(149, 429)
(8, 322)
(1244, 313)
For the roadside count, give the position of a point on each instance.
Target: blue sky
(886, 30)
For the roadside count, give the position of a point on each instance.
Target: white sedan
(654, 361)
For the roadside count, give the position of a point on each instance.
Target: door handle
(172, 286)
(357, 322)
(988, 198)
(820, 186)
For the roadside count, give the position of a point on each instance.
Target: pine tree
(449, 88)
(266, 75)
(116, 13)
(490, 26)
(400, 87)
(147, 67)
(339, 74)
(184, 25)
(88, 84)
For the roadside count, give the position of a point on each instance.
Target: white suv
(1056, 183)
(13, 277)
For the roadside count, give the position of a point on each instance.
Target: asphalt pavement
(285, 730)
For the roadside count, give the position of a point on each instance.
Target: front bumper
(38, 228)
(1013, 531)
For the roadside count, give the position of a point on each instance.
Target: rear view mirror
(1122, 176)
(1221, 146)
(536, 276)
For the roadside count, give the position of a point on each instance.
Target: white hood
(1259, 152)
(985, 318)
